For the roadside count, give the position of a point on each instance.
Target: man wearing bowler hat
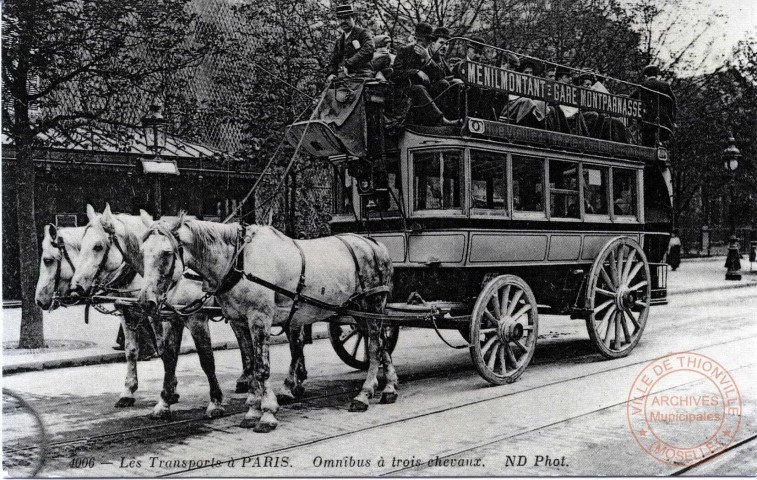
(659, 107)
(353, 51)
(414, 68)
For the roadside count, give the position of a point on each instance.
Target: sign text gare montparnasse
(550, 91)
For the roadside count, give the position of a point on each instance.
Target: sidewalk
(71, 342)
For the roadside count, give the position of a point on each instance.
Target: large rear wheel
(618, 296)
(503, 330)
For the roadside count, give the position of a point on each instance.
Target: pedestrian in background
(673, 254)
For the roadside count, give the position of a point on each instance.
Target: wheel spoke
(641, 304)
(618, 317)
(521, 346)
(608, 281)
(514, 302)
(608, 314)
(626, 335)
(634, 321)
(614, 267)
(510, 356)
(490, 317)
(606, 338)
(505, 301)
(357, 344)
(344, 339)
(639, 285)
(502, 362)
(619, 263)
(493, 357)
(629, 265)
(604, 305)
(605, 292)
(494, 300)
(488, 345)
(636, 269)
(525, 309)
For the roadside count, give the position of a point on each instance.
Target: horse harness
(236, 273)
(61, 246)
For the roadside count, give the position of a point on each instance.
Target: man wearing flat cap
(659, 107)
(353, 51)
(414, 69)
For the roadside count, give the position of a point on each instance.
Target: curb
(118, 357)
(712, 289)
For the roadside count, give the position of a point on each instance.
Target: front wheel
(24, 437)
(503, 330)
(350, 343)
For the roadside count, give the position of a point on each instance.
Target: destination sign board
(523, 85)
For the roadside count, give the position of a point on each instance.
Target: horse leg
(242, 332)
(362, 400)
(297, 373)
(131, 351)
(389, 394)
(172, 332)
(198, 327)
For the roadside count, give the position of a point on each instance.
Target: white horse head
(107, 239)
(162, 258)
(55, 270)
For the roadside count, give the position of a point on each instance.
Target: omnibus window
(595, 190)
(437, 182)
(563, 185)
(624, 191)
(488, 181)
(342, 191)
(528, 184)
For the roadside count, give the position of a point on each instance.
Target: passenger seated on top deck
(567, 118)
(666, 104)
(413, 70)
(383, 58)
(449, 99)
(353, 51)
(476, 98)
(497, 99)
(601, 125)
(524, 111)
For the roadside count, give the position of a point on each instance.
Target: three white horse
(112, 241)
(341, 271)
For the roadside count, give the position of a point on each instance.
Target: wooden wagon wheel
(351, 343)
(617, 300)
(503, 330)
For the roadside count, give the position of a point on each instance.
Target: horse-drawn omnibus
(492, 222)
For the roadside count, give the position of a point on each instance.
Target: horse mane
(72, 236)
(134, 230)
(207, 235)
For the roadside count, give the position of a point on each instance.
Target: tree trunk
(32, 335)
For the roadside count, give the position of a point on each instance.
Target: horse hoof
(174, 398)
(215, 412)
(124, 402)
(388, 397)
(358, 406)
(163, 414)
(249, 422)
(242, 387)
(266, 424)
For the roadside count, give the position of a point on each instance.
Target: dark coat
(408, 63)
(354, 52)
(668, 106)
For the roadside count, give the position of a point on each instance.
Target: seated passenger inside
(527, 112)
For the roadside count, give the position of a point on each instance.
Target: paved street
(566, 415)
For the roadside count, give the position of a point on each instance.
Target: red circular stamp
(683, 408)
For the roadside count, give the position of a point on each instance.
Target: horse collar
(236, 271)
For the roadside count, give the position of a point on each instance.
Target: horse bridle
(112, 240)
(177, 251)
(61, 246)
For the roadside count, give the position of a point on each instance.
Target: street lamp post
(731, 156)
(154, 130)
